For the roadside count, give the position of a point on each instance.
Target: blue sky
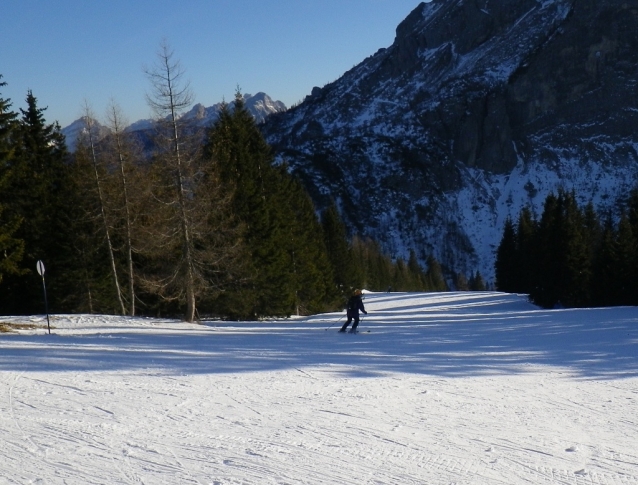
(69, 51)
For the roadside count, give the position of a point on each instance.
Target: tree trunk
(117, 133)
(89, 121)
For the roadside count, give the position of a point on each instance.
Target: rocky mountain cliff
(478, 108)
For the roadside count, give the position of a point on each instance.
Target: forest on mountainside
(571, 256)
(205, 225)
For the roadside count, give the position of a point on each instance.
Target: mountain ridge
(259, 105)
(477, 109)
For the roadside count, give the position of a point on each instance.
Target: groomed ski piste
(447, 388)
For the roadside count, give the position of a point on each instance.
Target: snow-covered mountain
(78, 127)
(477, 108)
(260, 106)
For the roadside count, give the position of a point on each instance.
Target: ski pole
(340, 318)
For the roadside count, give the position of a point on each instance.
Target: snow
(464, 388)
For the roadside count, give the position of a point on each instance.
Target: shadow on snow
(473, 334)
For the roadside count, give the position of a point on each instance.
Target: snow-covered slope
(475, 109)
(471, 388)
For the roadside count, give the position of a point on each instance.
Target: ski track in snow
(448, 388)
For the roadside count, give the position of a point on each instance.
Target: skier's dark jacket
(354, 305)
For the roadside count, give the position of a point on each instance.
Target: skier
(354, 305)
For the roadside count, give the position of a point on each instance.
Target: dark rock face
(472, 96)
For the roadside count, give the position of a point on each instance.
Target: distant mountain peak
(80, 127)
(260, 106)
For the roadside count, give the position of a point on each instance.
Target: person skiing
(355, 303)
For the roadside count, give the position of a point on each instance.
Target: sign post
(40, 267)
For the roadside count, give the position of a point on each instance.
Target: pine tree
(41, 196)
(604, 281)
(312, 275)
(461, 283)
(434, 275)
(477, 283)
(575, 292)
(624, 250)
(505, 266)
(417, 276)
(11, 249)
(339, 251)
(8, 125)
(377, 269)
(632, 216)
(526, 252)
(550, 250)
(245, 164)
(287, 268)
(564, 262)
(401, 280)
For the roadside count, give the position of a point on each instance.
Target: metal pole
(46, 304)
(340, 318)
(41, 270)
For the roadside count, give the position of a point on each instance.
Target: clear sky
(69, 51)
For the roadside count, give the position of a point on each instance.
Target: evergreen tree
(604, 281)
(287, 268)
(624, 253)
(592, 235)
(565, 261)
(461, 283)
(416, 274)
(476, 282)
(40, 194)
(632, 262)
(505, 266)
(8, 125)
(245, 163)
(346, 276)
(578, 255)
(401, 280)
(11, 249)
(526, 252)
(550, 250)
(434, 275)
(312, 275)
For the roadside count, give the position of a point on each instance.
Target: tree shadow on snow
(460, 337)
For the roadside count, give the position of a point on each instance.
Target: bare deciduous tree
(191, 239)
(122, 151)
(89, 139)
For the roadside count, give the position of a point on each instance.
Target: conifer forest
(571, 256)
